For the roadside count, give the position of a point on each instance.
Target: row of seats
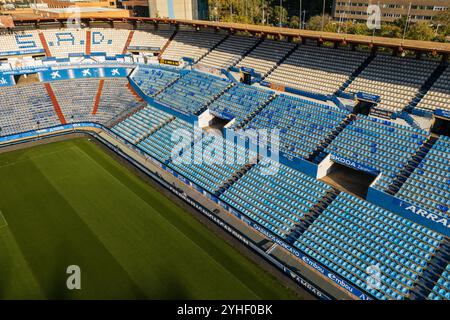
(154, 39)
(191, 44)
(381, 145)
(429, 184)
(275, 196)
(175, 135)
(441, 290)
(211, 161)
(317, 69)
(239, 102)
(153, 80)
(378, 251)
(266, 56)
(192, 92)
(228, 52)
(302, 124)
(25, 108)
(141, 124)
(438, 97)
(115, 99)
(24, 41)
(63, 42)
(396, 80)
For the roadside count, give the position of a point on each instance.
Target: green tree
(315, 22)
(294, 22)
(420, 31)
(391, 30)
(276, 13)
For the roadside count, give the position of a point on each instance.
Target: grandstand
(227, 53)
(164, 117)
(153, 80)
(266, 55)
(302, 124)
(321, 70)
(191, 44)
(438, 95)
(193, 92)
(396, 80)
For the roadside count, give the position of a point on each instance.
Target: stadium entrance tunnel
(26, 78)
(363, 107)
(345, 178)
(441, 126)
(211, 120)
(219, 123)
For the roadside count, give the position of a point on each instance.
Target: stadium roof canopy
(394, 43)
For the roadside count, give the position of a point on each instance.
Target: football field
(70, 203)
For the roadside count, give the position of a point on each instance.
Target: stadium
(175, 159)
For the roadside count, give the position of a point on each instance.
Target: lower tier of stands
(240, 102)
(153, 80)
(441, 291)
(381, 145)
(354, 238)
(302, 124)
(141, 124)
(25, 108)
(275, 196)
(212, 161)
(175, 135)
(192, 92)
(429, 184)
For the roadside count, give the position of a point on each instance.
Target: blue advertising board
(6, 80)
(354, 164)
(437, 222)
(442, 113)
(368, 97)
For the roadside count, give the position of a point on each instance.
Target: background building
(179, 9)
(391, 10)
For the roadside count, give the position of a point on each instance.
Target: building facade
(179, 9)
(391, 10)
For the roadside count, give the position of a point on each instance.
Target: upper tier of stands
(352, 235)
(154, 39)
(438, 97)
(429, 184)
(275, 196)
(228, 52)
(65, 41)
(153, 80)
(239, 102)
(317, 69)
(24, 41)
(396, 80)
(378, 144)
(192, 92)
(191, 44)
(111, 41)
(266, 55)
(303, 124)
(25, 108)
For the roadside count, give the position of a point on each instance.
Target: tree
(274, 16)
(421, 31)
(294, 22)
(391, 30)
(315, 22)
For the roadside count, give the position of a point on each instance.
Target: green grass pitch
(70, 203)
